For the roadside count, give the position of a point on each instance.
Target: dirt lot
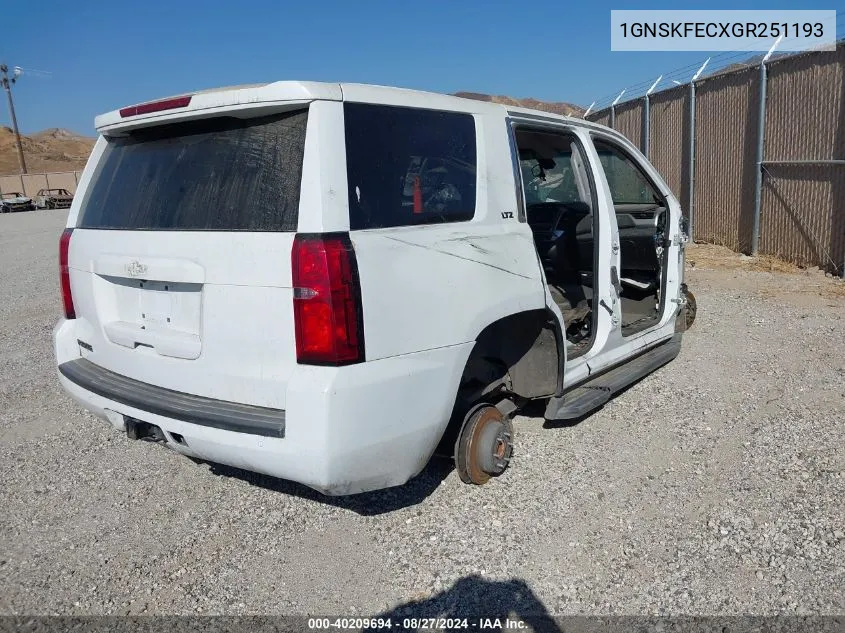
(713, 486)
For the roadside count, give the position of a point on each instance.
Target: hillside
(49, 150)
(57, 149)
(556, 107)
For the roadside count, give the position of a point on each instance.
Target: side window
(559, 203)
(408, 166)
(553, 169)
(628, 184)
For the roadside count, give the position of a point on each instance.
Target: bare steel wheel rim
(484, 446)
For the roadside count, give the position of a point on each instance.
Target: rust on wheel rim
(484, 446)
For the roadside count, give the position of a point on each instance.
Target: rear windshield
(222, 174)
(408, 166)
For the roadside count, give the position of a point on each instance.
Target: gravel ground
(714, 486)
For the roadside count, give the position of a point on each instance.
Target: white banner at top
(715, 30)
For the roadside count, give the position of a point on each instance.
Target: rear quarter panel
(436, 285)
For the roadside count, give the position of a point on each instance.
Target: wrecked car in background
(15, 201)
(53, 199)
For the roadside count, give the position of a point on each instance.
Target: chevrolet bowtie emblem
(136, 269)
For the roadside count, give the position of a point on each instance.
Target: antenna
(590, 109)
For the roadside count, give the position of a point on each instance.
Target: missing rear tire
(484, 445)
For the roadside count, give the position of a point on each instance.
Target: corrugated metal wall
(802, 215)
(669, 142)
(629, 120)
(602, 117)
(726, 130)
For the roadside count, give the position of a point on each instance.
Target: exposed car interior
(560, 203)
(641, 219)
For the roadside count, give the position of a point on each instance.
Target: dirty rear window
(221, 174)
(408, 166)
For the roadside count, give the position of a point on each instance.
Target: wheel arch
(518, 357)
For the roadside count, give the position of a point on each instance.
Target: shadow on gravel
(367, 503)
(481, 601)
(537, 408)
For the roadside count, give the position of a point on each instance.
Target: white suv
(326, 282)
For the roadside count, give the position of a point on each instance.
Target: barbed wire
(716, 63)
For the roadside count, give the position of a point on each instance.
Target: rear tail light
(155, 106)
(326, 300)
(64, 274)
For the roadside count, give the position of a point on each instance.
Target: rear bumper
(346, 429)
(229, 416)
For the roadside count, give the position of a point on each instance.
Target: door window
(553, 169)
(559, 203)
(628, 184)
(640, 219)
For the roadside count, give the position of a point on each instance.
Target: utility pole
(613, 110)
(7, 85)
(761, 137)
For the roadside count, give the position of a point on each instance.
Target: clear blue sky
(103, 55)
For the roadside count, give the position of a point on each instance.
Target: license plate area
(151, 305)
(164, 305)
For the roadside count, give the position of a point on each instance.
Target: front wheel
(484, 445)
(688, 312)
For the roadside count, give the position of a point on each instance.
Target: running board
(595, 392)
